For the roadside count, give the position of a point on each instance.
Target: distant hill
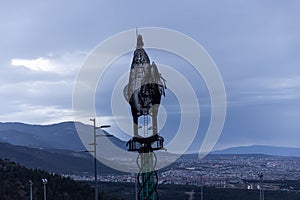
(261, 149)
(54, 148)
(14, 184)
(57, 136)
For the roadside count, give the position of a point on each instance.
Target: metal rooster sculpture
(145, 88)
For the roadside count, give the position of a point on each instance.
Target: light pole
(45, 181)
(136, 183)
(261, 191)
(95, 153)
(30, 188)
(201, 176)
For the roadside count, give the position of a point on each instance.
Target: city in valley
(224, 171)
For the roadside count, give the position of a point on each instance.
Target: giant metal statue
(143, 92)
(145, 87)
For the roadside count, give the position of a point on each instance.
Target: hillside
(52, 160)
(55, 136)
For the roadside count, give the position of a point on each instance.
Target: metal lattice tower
(146, 161)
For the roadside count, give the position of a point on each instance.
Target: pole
(95, 160)
(136, 192)
(260, 192)
(30, 188)
(45, 195)
(45, 181)
(95, 152)
(201, 187)
(262, 189)
(201, 192)
(261, 186)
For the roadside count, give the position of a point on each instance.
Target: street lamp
(95, 152)
(201, 182)
(30, 188)
(261, 191)
(45, 181)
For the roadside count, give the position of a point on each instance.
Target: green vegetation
(14, 184)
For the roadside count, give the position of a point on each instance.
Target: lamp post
(261, 191)
(45, 181)
(30, 188)
(201, 176)
(136, 183)
(95, 152)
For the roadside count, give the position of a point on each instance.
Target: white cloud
(285, 83)
(37, 114)
(65, 64)
(38, 64)
(39, 90)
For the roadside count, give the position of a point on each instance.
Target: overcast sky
(254, 43)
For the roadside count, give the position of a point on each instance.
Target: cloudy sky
(255, 45)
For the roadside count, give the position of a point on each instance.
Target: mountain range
(55, 147)
(64, 136)
(261, 149)
(55, 136)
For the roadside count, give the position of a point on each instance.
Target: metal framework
(146, 161)
(143, 92)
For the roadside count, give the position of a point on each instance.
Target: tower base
(146, 161)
